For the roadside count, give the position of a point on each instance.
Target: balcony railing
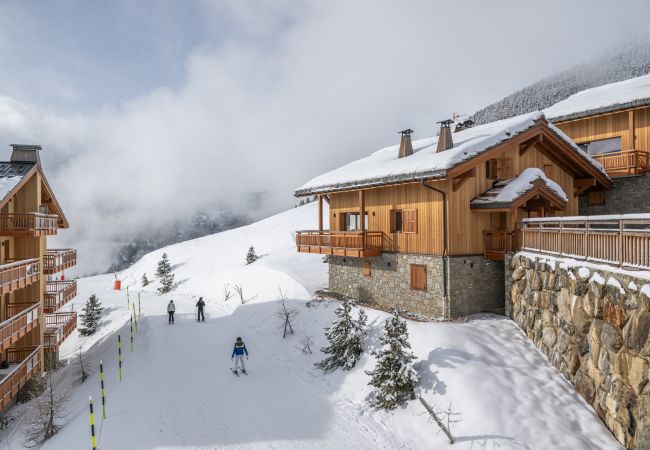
(18, 274)
(358, 244)
(58, 293)
(18, 326)
(59, 326)
(12, 309)
(622, 240)
(626, 162)
(59, 259)
(498, 243)
(25, 362)
(31, 224)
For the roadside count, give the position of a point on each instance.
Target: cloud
(276, 93)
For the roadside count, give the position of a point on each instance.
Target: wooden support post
(320, 213)
(362, 207)
(630, 125)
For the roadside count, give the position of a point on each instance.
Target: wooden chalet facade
(427, 231)
(33, 317)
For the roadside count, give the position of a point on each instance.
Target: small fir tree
(90, 317)
(251, 256)
(145, 280)
(164, 272)
(394, 377)
(345, 337)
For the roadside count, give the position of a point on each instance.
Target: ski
(235, 372)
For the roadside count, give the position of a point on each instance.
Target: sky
(148, 111)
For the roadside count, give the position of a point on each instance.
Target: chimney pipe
(405, 146)
(444, 138)
(25, 153)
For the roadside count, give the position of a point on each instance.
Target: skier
(238, 355)
(171, 309)
(200, 304)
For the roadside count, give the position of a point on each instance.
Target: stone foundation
(594, 326)
(630, 195)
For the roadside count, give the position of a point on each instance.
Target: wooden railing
(59, 326)
(18, 326)
(18, 274)
(58, 293)
(57, 260)
(498, 243)
(33, 224)
(341, 243)
(626, 162)
(29, 364)
(622, 240)
(11, 309)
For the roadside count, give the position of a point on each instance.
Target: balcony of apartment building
(58, 294)
(29, 224)
(18, 273)
(23, 364)
(57, 260)
(58, 326)
(616, 161)
(20, 319)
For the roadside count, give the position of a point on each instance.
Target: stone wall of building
(594, 327)
(630, 195)
(475, 285)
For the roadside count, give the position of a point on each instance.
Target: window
(351, 222)
(367, 268)
(404, 221)
(491, 169)
(595, 198)
(418, 277)
(504, 168)
(602, 146)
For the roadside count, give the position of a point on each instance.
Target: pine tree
(345, 338)
(145, 280)
(251, 256)
(90, 317)
(164, 272)
(394, 377)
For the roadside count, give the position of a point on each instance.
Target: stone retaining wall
(594, 327)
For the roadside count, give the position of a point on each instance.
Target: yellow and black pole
(92, 424)
(101, 378)
(119, 354)
(135, 318)
(139, 307)
(128, 298)
(131, 333)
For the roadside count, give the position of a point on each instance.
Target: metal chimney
(25, 153)
(444, 138)
(405, 146)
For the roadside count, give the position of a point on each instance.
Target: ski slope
(178, 391)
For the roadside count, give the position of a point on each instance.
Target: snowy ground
(178, 391)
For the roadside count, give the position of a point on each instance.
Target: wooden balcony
(58, 327)
(17, 326)
(18, 274)
(24, 363)
(57, 260)
(497, 243)
(58, 294)
(621, 240)
(354, 244)
(626, 162)
(29, 224)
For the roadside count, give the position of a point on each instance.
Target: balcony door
(351, 222)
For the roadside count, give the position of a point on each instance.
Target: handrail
(56, 260)
(58, 293)
(341, 239)
(13, 309)
(24, 312)
(29, 222)
(14, 380)
(629, 161)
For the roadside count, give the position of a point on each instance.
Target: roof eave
(599, 111)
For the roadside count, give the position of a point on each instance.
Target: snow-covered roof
(603, 99)
(504, 192)
(384, 166)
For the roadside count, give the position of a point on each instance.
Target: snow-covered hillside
(179, 393)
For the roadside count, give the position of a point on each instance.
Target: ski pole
(92, 424)
(101, 377)
(119, 354)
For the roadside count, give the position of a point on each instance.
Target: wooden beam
(320, 213)
(580, 185)
(630, 121)
(462, 178)
(362, 207)
(527, 145)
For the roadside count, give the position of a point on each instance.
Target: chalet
(425, 225)
(612, 124)
(34, 318)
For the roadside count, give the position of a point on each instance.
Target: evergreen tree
(145, 280)
(345, 338)
(90, 317)
(164, 272)
(251, 256)
(394, 377)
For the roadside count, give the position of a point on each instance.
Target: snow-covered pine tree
(345, 337)
(251, 256)
(394, 377)
(145, 280)
(164, 272)
(90, 317)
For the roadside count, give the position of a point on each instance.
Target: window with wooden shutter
(595, 198)
(504, 168)
(409, 221)
(418, 277)
(491, 169)
(367, 268)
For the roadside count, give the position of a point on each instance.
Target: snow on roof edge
(601, 110)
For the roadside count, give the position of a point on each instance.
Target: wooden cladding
(505, 168)
(596, 198)
(29, 365)
(418, 277)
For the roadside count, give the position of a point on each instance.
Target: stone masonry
(594, 326)
(630, 195)
(474, 284)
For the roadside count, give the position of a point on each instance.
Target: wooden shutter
(491, 169)
(367, 268)
(410, 220)
(393, 221)
(595, 198)
(504, 168)
(418, 277)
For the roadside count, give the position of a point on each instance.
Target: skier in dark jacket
(238, 355)
(171, 309)
(200, 304)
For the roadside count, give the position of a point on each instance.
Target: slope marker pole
(101, 377)
(131, 333)
(139, 307)
(119, 354)
(92, 424)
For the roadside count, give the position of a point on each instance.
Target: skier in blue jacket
(238, 355)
